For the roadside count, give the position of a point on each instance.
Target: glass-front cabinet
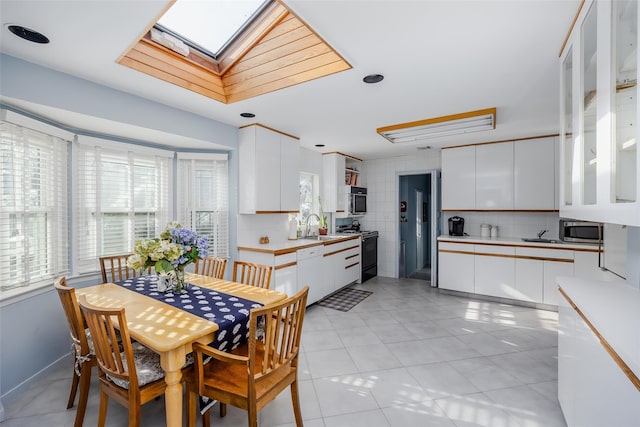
(599, 115)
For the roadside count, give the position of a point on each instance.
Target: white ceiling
(438, 58)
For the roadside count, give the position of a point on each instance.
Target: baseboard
(509, 301)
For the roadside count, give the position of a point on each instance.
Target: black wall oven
(369, 255)
(357, 201)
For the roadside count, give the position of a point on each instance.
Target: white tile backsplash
(510, 224)
(252, 227)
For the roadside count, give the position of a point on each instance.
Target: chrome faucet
(309, 223)
(541, 233)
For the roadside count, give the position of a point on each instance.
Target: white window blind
(122, 194)
(203, 199)
(33, 207)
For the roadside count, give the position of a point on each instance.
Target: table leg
(172, 363)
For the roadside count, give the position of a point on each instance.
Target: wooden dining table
(171, 331)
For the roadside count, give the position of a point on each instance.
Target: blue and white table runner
(229, 312)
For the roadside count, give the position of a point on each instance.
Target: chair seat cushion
(147, 366)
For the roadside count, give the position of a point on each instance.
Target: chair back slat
(113, 361)
(211, 266)
(252, 274)
(74, 316)
(114, 268)
(283, 331)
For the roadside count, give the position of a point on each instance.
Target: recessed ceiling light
(28, 34)
(373, 78)
(247, 115)
(319, 145)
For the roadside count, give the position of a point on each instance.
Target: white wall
(381, 179)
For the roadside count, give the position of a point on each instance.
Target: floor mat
(345, 299)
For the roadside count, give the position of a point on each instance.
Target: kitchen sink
(324, 237)
(539, 240)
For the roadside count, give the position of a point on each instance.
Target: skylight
(209, 26)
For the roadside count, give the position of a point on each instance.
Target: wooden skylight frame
(275, 51)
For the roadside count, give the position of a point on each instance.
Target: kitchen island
(598, 352)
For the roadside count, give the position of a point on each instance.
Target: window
(203, 198)
(122, 194)
(33, 206)
(308, 195)
(209, 26)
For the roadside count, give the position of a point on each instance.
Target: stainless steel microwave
(580, 231)
(357, 200)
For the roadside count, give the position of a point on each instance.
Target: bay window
(203, 198)
(33, 206)
(122, 193)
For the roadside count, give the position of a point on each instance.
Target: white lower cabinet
(553, 269)
(456, 267)
(341, 263)
(518, 272)
(285, 274)
(495, 271)
(285, 268)
(529, 276)
(593, 391)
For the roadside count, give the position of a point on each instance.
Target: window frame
(188, 165)
(52, 202)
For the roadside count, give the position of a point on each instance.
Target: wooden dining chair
(252, 274)
(114, 268)
(128, 371)
(84, 357)
(256, 372)
(211, 266)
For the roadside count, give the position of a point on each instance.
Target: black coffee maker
(456, 226)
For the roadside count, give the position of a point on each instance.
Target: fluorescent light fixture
(455, 124)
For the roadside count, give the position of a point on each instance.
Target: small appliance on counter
(456, 226)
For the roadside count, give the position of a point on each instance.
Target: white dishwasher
(309, 262)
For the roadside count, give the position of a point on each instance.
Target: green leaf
(163, 266)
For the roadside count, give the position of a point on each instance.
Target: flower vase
(178, 280)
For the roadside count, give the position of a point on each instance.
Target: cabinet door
(333, 183)
(495, 275)
(459, 178)
(534, 174)
(286, 279)
(494, 176)
(529, 279)
(456, 272)
(553, 269)
(600, 380)
(289, 174)
(267, 148)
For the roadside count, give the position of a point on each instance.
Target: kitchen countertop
(289, 246)
(613, 308)
(517, 241)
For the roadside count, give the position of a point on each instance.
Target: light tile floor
(406, 356)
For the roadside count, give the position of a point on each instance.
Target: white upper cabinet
(269, 175)
(459, 178)
(338, 171)
(505, 176)
(598, 118)
(534, 174)
(333, 200)
(494, 176)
